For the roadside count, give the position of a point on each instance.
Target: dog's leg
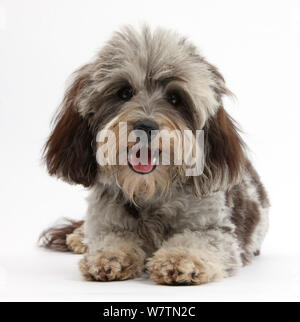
(75, 241)
(119, 257)
(114, 250)
(195, 258)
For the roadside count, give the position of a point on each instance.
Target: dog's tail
(55, 238)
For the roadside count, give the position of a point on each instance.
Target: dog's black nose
(146, 126)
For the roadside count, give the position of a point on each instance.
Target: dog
(183, 229)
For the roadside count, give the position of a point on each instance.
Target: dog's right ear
(68, 151)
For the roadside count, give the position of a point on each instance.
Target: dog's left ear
(68, 152)
(224, 154)
(224, 148)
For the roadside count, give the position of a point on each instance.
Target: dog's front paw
(181, 267)
(112, 265)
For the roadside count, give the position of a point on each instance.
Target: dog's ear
(68, 151)
(225, 148)
(224, 154)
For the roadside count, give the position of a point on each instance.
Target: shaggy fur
(183, 230)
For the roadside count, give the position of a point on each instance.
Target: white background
(255, 44)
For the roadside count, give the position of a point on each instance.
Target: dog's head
(150, 82)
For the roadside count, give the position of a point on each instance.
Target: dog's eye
(125, 93)
(174, 98)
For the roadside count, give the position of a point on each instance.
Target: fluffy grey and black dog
(180, 229)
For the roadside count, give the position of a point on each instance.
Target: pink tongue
(143, 168)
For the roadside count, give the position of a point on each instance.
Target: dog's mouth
(143, 165)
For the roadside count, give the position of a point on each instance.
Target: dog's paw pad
(179, 267)
(108, 266)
